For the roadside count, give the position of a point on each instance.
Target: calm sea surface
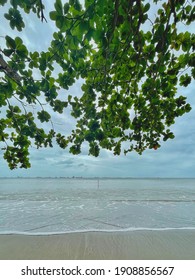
(37, 206)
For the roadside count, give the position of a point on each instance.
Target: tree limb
(9, 71)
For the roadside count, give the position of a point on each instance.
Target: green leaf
(117, 132)
(87, 3)
(15, 18)
(94, 149)
(2, 2)
(185, 80)
(100, 8)
(75, 149)
(16, 109)
(84, 26)
(43, 116)
(61, 23)
(77, 5)
(66, 8)
(53, 15)
(59, 105)
(146, 8)
(188, 108)
(193, 73)
(59, 8)
(10, 42)
(8, 52)
(117, 149)
(62, 141)
(18, 41)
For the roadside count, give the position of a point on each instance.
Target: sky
(175, 158)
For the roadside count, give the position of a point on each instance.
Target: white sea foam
(93, 230)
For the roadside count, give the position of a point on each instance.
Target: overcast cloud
(175, 158)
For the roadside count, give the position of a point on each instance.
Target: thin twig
(42, 14)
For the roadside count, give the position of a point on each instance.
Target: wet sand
(135, 245)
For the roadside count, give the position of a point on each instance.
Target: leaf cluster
(130, 73)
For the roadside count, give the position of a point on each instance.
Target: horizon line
(91, 177)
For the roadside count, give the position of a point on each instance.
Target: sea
(58, 205)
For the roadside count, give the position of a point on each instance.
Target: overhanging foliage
(131, 65)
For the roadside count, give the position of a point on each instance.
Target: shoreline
(174, 244)
(128, 230)
(93, 231)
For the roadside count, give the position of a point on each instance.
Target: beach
(133, 245)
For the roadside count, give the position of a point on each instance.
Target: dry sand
(143, 245)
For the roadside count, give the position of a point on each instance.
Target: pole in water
(98, 183)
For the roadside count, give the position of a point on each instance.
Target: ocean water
(48, 206)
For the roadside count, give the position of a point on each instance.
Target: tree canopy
(131, 58)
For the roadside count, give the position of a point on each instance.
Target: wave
(94, 230)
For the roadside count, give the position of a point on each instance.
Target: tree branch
(9, 71)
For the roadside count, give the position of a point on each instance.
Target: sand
(132, 245)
